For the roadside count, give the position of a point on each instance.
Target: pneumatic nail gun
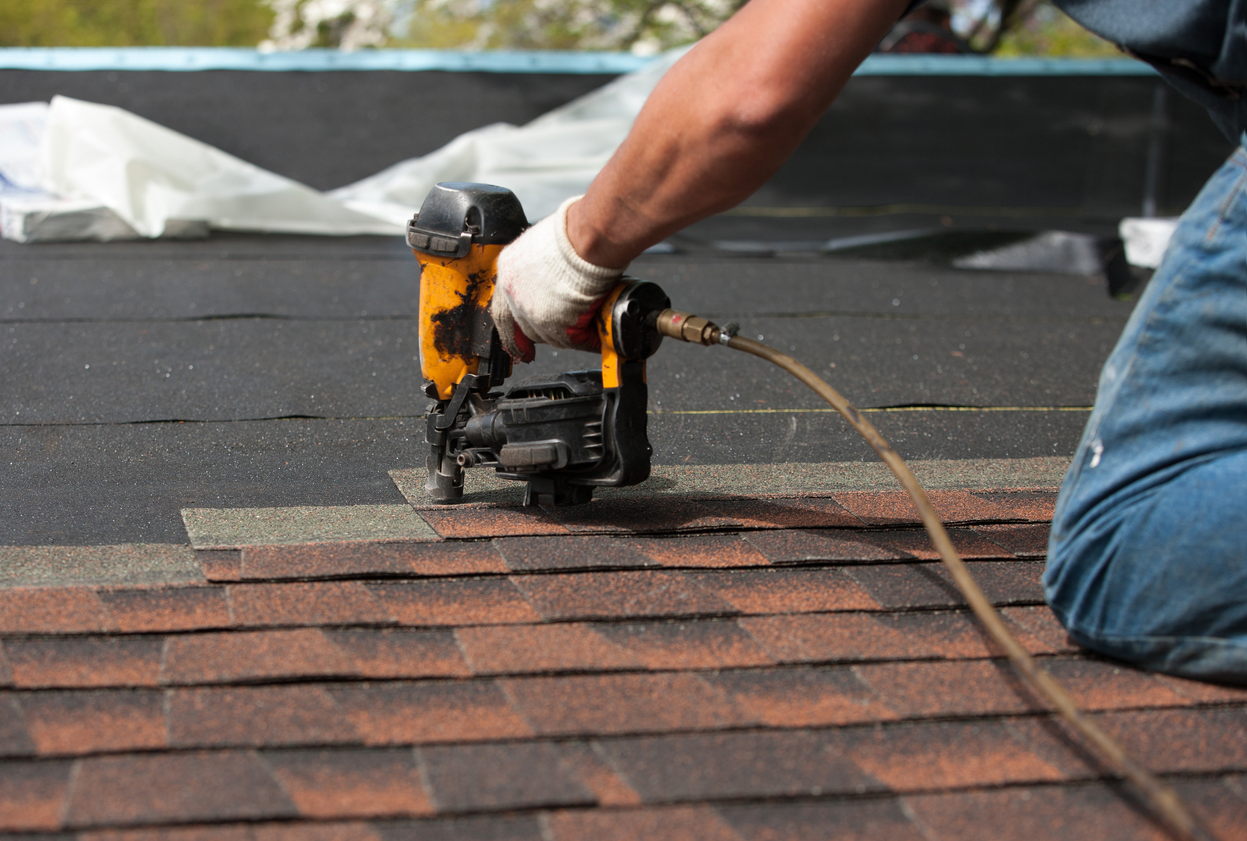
(563, 435)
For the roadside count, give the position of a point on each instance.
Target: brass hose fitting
(688, 328)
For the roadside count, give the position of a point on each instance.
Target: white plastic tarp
(80, 170)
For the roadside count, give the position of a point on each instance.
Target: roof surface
(227, 610)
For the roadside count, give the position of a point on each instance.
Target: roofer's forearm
(724, 119)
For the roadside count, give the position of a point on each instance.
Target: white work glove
(546, 292)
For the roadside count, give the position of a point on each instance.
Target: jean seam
(1224, 209)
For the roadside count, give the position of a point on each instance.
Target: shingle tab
(347, 560)
(76, 723)
(251, 656)
(471, 778)
(175, 788)
(429, 712)
(347, 783)
(87, 661)
(752, 764)
(619, 595)
(32, 795)
(625, 703)
(256, 716)
(236, 528)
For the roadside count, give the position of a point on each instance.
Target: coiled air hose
(1162, 798)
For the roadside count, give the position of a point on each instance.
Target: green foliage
(640, 25)
(133, 23)
(1047, 31)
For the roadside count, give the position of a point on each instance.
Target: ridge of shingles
(734, 669)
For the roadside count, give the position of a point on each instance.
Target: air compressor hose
(1163, 799)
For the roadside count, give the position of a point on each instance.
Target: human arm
(723, 120)
(719, 123)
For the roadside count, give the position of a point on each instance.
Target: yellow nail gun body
(563, 434)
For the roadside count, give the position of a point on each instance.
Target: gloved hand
(546, 292)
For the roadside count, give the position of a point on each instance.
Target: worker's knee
(1158, 578)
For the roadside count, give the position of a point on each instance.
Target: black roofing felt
(100, 455)
(111, 453)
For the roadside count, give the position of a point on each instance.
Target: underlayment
(115, 288)
(246, 369)
(718, 481)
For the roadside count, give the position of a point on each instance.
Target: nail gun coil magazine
(564, 434)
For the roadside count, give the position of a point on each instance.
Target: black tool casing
(564, 435)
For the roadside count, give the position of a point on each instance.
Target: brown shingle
(423, 713)
(520, 649)
(175, 788)
(929, 585)
(220, 565)
(345, 783)
(618, 595)
(568, 552)
(624, 703)
(749, 764)
(895, 507)
(284, 831)
(916, 542)
(469, 778)
(687, 644)
(1102, 685)
(640, 515)
(1093, 811)
(400, 653)
(251, 656)
(91, 661)
(256, 716)
(486, 601)
(52, 610)
(1039, 625)
(609, 789)
(712, 551)
(1025, 540)
(1192, 740)
(833, 637)
(350, 560)
(74, 723)
(788, 590)
(14, 739)
(790, 547)
(801, 513)
(861, 820)
(803, 697)
(306, 603)
(32, 794)
(966, 687)
(171, 609)
(952, 635)
(1035, 506)
(947, 755)
(672, 823)
(464, 523)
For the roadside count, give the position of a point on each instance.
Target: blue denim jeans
(1148, 556)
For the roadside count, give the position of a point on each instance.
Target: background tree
(133, 23)
(1002, 27)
